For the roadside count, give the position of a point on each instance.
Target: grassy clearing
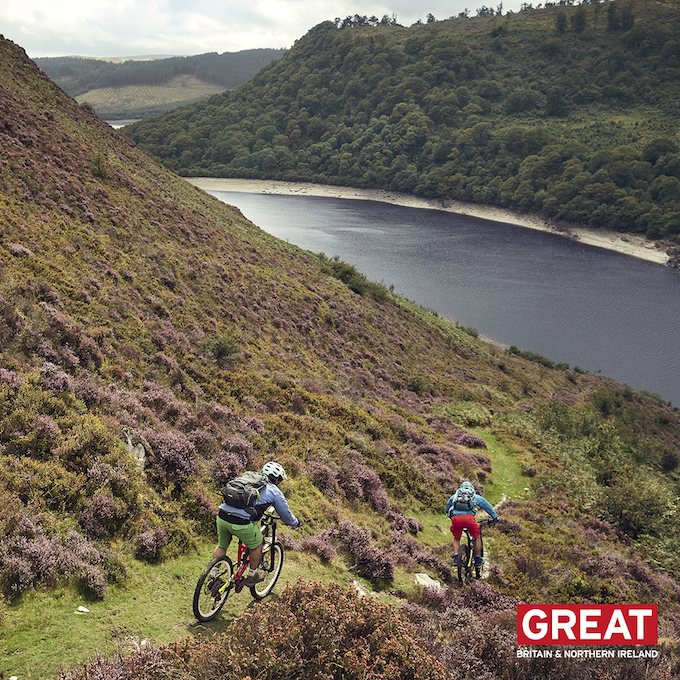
(114, 100)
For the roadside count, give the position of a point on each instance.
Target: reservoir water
(573, 303)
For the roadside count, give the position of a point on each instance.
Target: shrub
(253, 423)
(224, 350)
(233, 458)
(112, 476)
(88, 440)
(91, 582)
(102, 516)
(318, 544)
(205, 441)
(324, 475)
(358, 481)
(54, 379)
(11, 378)
(177, 456)
(638, 514)
(162, 402)
(225, 466)
(470, 441)
(371, 562)
(352, 478)
(467, 413)
(41, 484)
(148, 544)
(329, 634)
(199, 506)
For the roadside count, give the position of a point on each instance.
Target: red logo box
(587, 624)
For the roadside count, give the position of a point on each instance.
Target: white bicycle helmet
(273, 469)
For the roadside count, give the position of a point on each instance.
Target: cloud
(101, 28)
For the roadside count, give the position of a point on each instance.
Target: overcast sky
(126, 28)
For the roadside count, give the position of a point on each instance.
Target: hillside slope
(136, 309)
(140, 101)
(137, 88)
(569, 112)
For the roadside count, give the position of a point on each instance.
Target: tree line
(575, 121)
(229, 70)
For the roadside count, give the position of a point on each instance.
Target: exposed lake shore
(627, 244)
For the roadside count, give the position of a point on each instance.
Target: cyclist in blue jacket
(237, 522)
(462, 508)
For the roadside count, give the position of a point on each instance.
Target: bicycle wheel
(207, 600)
(463, 560)
(271, 563)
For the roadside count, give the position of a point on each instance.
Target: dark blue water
(577, 304)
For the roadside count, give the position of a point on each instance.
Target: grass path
(506, 480)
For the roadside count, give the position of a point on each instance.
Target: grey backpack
(243, 491)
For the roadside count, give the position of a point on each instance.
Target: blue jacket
(477, 502)
(269, 495)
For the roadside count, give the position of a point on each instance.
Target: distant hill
(137, 88)
(568, 111)
(142, 101)
(154, 343)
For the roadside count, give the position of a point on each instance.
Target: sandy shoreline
(627, 244)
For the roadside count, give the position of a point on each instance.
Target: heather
(153, 343)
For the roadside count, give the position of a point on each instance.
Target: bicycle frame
(466, 557)
(243, 556)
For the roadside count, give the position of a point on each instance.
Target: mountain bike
(466, 556)
(212, 590)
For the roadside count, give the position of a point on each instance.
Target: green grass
(506, 480)
(44, 630)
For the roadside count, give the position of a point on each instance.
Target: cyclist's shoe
(215, 587)
(479, 566)
(455, 560)
(253, 580)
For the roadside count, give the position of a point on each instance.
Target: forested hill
(567, 111)
(77, 75)
(154, 343)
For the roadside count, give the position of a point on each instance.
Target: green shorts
(249, 533)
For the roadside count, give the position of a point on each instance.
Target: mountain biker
(237, 522)
(462, 508)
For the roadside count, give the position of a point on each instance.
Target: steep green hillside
(566, 111)
(137, 310)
